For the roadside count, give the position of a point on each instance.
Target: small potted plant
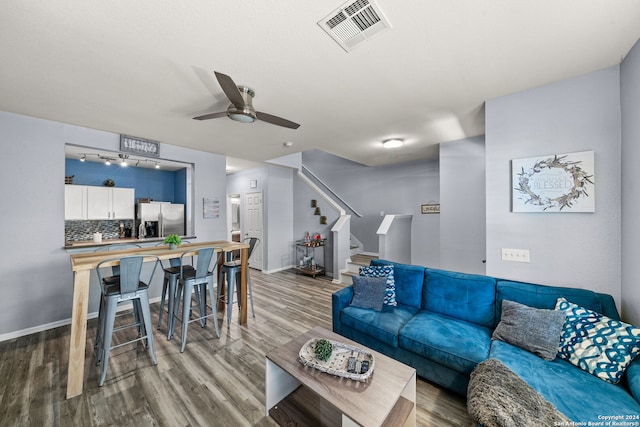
(173, 240)
(323, 349)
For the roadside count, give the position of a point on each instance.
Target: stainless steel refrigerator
(169, 217)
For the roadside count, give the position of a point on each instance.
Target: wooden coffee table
(301, 395)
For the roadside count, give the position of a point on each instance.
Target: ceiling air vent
(354, 22)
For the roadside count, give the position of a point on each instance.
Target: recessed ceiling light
(392, 143)
(288, 144)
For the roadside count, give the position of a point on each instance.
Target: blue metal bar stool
(232, 271)
(195, 283)
(112, 279)
(169, 284)
(127, 288)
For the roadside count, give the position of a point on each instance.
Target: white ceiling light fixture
(123, 160)
(83, 158)
(393, 143)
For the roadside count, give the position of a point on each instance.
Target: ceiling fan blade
(275, 120)
(230, 89)
(211, 116)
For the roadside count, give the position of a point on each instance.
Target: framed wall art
(430, 208)
(554, 183)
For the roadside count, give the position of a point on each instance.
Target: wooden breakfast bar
(83, 263)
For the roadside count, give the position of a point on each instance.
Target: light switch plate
(515, 255)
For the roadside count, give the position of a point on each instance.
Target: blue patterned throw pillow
(383, 271)
(595, 343)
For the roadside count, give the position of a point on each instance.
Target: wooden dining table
(83, 263)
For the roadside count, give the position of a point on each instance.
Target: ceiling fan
(241, 108)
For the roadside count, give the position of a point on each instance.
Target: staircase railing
(341, 231)
(321, 192)
(336, 195)
(394, 238)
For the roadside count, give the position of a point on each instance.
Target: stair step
(362, 259)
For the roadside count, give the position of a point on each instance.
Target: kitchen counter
(83, 263)
(87, 244)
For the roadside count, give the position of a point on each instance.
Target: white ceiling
(145, 68)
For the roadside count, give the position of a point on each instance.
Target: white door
(253, 225)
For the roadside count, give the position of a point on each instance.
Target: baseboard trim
(275, 270)
(52, 325)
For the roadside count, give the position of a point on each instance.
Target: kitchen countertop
(82, 244)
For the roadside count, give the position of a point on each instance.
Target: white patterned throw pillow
(595, 343)
(383, 271)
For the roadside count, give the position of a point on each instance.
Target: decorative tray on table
(338, 363)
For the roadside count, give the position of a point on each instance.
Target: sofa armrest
(339, 300)
(633, 378)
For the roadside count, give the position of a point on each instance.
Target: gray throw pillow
(533, 329)
(368, 292)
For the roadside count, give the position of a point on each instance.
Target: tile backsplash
(77, 231)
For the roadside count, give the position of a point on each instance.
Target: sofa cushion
(540, 296)
(601, 346)
(384, 325)
(408, 280)
(633, 378)
(534, 329)
(462, 296)
(450, 342)
(383, 271)
(576, 393)
(368, 292)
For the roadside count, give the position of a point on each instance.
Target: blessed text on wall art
(554, 183)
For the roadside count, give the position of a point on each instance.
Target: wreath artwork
(555, 183)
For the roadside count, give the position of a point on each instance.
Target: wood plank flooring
(215, 382)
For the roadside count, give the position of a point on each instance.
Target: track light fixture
(124, 160)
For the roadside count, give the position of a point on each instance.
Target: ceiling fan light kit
(241, 107)
(244, 113)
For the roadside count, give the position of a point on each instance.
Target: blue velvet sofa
(442, 326)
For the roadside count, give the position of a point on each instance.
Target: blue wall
(180, 186)
(630, 100)
(158, 185)
(573, 249)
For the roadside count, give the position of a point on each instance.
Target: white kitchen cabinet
(75, 202)
(122, 203)
(110, 203)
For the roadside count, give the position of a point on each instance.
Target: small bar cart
(308, 263)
